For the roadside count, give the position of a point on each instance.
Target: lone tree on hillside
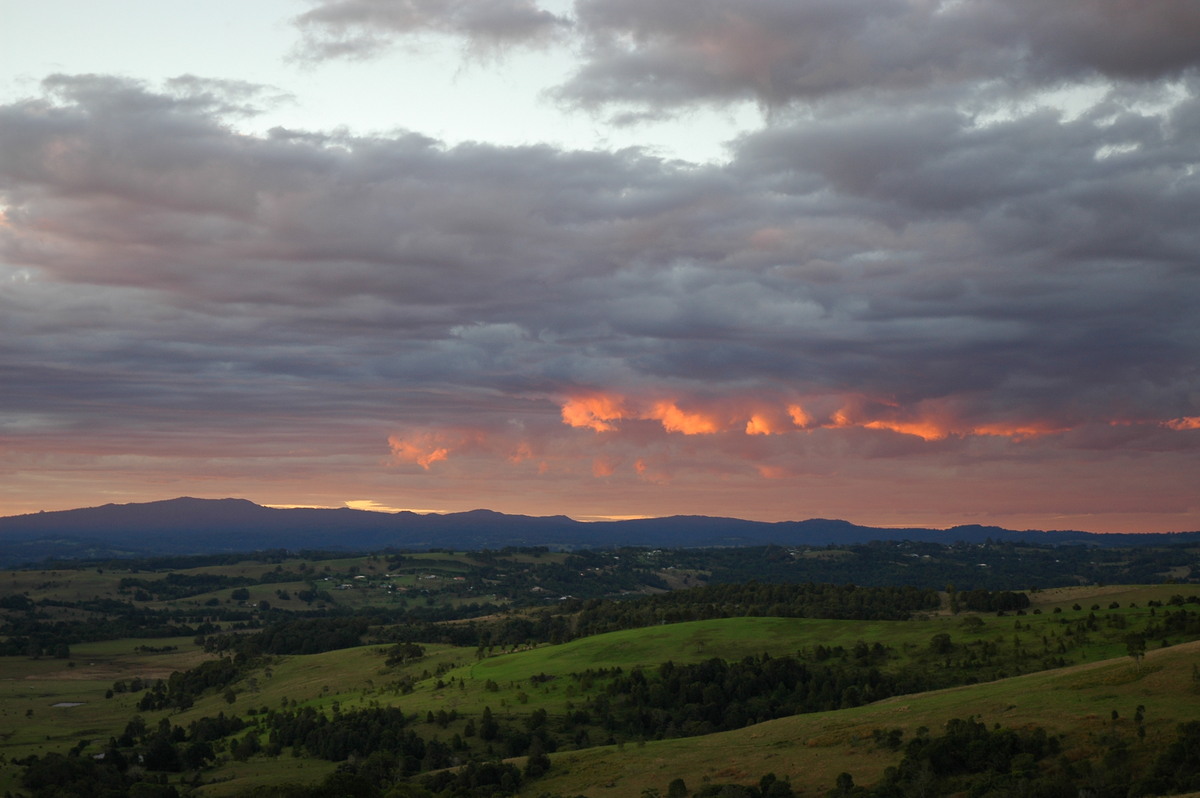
(1135, 646)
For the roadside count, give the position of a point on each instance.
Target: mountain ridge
(191, 525)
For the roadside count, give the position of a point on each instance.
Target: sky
(901, 262)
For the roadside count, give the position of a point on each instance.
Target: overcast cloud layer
(953, 277)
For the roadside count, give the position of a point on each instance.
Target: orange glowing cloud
(1017, 433)
(765, 423)
(600, 411)
(757, 425)
(798, 416)
(424, 450)
(925, 430)
(596, 411)
(840, 419)
(930, 420)
(675, 420)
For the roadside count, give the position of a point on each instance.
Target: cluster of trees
(16, 601)
(105, 619)
(521, 575)
(1177, 768)
(769, 786)
(972, 759)
(989, 601)
(134, 764)
(180, 562)
(807, 600)
(361, 732)
(371, 778)
(1180, 622)
(294, 636)
(402, 653)
(716, 695)
(64, 776)
(182, 688)
(706, 697)
(913, 563)
(177, 586)
(476, 779)
(379, 745)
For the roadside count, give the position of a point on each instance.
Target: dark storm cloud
(935, 273)
(678, 52)
(362, 28)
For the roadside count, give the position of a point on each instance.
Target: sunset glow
(596, 411)
(688, 423)
(603, 412)
(897, 263)
(425, 451)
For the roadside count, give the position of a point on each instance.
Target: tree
(197, 755)
(1135, 647)
(972, 623)
(538, 763)
(488, 727)
(247, 747)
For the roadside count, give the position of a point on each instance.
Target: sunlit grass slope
(811, 750)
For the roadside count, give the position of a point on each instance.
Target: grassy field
(811, 750)
(1077, 701)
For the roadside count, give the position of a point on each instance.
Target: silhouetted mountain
(188, 525)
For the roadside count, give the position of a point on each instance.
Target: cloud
(424, 451)
(642, 59)
(1003, 264)
(928, 420)
(676, 420)
(949, 290)
(596, 411)
(675, 53)
(363, 28)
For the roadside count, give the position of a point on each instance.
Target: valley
(447, 673)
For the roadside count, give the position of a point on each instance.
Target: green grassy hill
(811, 750)
(53, 705)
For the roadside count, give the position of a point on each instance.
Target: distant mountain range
(200, 526)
